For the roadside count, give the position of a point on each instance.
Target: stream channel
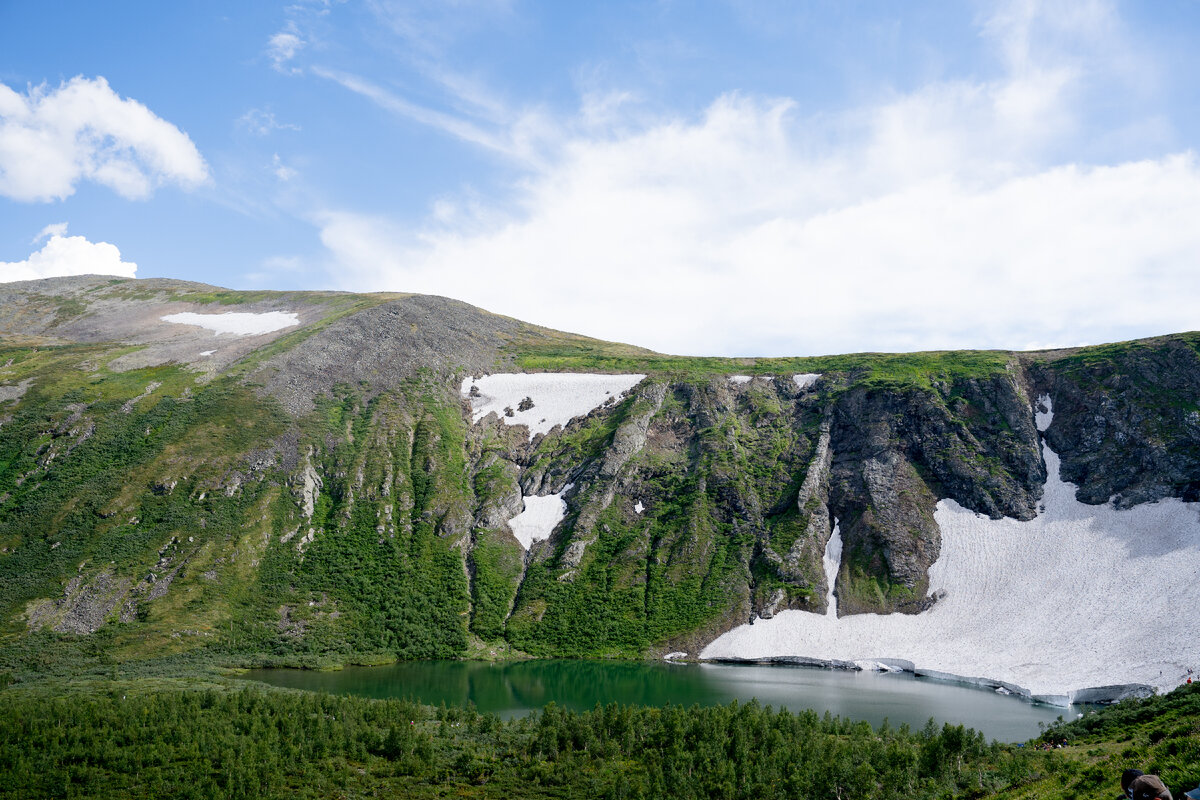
(515, 688)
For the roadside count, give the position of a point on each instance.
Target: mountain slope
(320, 492)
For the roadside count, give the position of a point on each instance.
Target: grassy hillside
(551, 351)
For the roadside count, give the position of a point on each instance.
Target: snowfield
(540, 517)
(557, 397)
(806, 379)
(1079, 597)
(237, 322)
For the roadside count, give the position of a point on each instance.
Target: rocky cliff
(323, 491)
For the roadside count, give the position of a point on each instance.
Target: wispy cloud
(282, 171)
(517, 139)
(53, 229)
(429, 26)
(261, 122)
(283, 46)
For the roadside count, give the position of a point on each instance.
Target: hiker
(1127, 778)
(1149, 787)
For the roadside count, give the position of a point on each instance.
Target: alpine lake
(515, 688)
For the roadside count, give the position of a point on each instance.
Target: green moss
(583, 441)
(865, 585)
(785, 528)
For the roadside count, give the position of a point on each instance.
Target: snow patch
(832, 561)
(674, 655)
(237, 323)
(740, 378)
(207, 352)
(806, 379)
(540, 517)
(638, 507)
(1043, 418)
(549, 398)
(1080, 596)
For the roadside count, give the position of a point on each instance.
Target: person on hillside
(1149, 787)
(1127, 779)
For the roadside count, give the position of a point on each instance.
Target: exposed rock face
(898, 453)
(628, 439)
(1126, 422)
(84, 607)
(799, 566)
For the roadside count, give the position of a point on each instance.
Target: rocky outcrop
(800, 565)
(84, 606)
(628, 440)
(382, 347)
(1126, 418)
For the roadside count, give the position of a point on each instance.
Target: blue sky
(734, 178)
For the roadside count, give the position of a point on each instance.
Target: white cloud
(936, 219)
(67, 255)
(50, 139)
(703, 264)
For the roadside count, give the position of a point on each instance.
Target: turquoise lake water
(512, 689)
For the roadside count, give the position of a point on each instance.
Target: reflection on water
(514, 688)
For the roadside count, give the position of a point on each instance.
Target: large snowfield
(1079, 597)
(557, 397)
(238, 323)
